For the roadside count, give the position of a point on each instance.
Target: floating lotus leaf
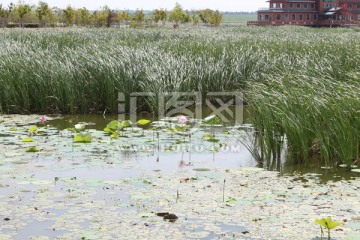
(112, 126)
(126, 123)
(142, 122)
(201, 169)
(208, 135)
(33, 129)
(32, 149)
(328, 223)
(27, 140)
(83, 138)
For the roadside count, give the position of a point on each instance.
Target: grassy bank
(302, 83)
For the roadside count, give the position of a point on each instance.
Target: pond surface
(69, 190)
(225, 160)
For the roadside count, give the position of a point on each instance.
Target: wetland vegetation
(301, 87)
(302, 84)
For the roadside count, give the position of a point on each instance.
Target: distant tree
(159, 15)
(22, 9)
(42, 11)
(99, 18)
(84, 16)
(94, 17)
(194, 17)
(3, 15)
(104, 17)
(109, 15)
(69, 15)
(178, 15)
(209, 16)
(205, 15)
(139, 16)
(2, 11)
(121, 16)
(51, 17)
(216, 18)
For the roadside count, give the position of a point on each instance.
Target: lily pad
(27, 140)
(201, 169)
(328, 223)
(32, 150)
(142, 122)
(33, 129)
(83, 138)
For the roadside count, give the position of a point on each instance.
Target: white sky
(222, 5)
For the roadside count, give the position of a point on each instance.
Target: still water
(241, 157)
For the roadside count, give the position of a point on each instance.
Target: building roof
(287, 11)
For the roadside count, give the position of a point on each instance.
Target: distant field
(238, 18)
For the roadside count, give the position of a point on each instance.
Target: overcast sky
(222, 5)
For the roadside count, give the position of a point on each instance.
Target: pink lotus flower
(182, 120)
(43, 119)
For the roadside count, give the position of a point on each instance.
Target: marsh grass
(302, 84)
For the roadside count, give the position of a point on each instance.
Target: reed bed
(302, 83)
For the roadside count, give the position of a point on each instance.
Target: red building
(316, 13)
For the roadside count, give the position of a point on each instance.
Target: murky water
(224, 160)
(73, 180)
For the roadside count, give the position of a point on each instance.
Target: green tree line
(43, 15)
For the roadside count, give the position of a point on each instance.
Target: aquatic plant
(328, 224)
(182, 120)
(43, 119)
(142, 123)
(304, 97)
(83, 138)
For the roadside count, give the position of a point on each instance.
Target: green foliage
(181, 127)
(328, 224)
(116, 125)
(208, 135)
(211, 120)
(83, 138)
(209, 16)
(122, 16)
(41, 11)
(143, 122)
(2, 11)
(22, 9)
(159, 15)
(126, 123)
(303, 97)
(178, 14)
(33, 129)
(112, 126)
(69, 15)
(32, 150)
(84, 16)
(27, 140)
(139, 16)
